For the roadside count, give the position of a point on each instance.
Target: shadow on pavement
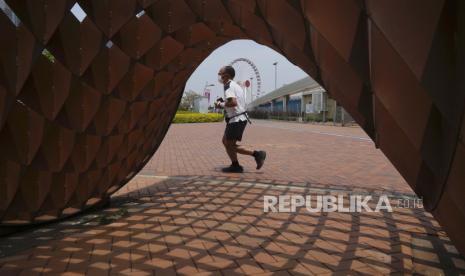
(216, 225)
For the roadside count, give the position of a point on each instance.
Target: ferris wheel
(255, 72)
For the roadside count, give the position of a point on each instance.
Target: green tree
(187, 100)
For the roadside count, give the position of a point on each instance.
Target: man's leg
(230, 144)
(234, 148)
(241, 150)
(230, 150)
(259, 155)
(238, 130)
(232, 154)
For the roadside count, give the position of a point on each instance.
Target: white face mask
(220, 80)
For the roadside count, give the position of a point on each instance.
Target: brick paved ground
(296, 152)
(177, 223)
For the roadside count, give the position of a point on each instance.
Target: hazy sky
(262, 56)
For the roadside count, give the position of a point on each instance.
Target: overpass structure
(304, 98)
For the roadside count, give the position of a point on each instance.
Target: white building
(201, 104)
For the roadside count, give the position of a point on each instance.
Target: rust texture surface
(85, 103)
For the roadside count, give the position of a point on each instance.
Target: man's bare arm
(230, 102)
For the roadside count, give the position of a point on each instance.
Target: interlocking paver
(180, 223)
(301, 153)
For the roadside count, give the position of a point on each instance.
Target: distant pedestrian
(236, 120)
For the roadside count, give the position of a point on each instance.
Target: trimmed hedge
(185, 117)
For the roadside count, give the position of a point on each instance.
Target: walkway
(328, 155)
(181, 216)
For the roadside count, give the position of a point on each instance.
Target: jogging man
(236, 121)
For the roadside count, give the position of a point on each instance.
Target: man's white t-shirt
(233, 90)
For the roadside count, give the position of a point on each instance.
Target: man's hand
(231, 102)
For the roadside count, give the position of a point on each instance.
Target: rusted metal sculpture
(84, 105)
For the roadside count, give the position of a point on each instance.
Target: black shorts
(235, 130)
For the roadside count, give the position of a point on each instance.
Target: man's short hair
(230, 71)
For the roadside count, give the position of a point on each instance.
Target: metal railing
(300, 117)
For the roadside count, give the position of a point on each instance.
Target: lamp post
(251, 89)
(275, 74)
(208, 85)
(205, 90)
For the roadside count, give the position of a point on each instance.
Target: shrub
(190, 117)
